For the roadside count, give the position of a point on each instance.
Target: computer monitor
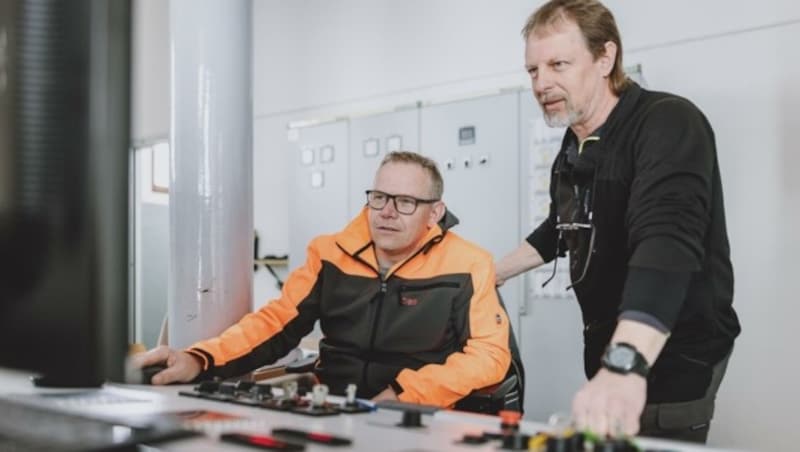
(64, 155)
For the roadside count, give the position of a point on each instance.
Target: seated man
(408, 309)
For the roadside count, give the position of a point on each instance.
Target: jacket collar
(627, 102)
(355, 238)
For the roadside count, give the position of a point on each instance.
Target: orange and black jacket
(432, 327)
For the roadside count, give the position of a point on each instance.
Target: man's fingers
(169, 375)
(610, 404)
(630, 423)
(603, 414)
(175, 370)
(580, 410)
(181, 368)
(598, 421)
(615, 417)
(172, 358)
(157, 355)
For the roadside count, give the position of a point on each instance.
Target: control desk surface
(381, 429)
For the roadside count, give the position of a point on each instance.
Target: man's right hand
(182, 367)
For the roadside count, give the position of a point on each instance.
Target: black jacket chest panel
(406, 316)
(373, 328)
(601, 169)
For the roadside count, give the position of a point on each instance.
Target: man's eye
(378, 196)
(408, 202)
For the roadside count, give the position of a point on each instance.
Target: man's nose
(390, 209)
(542, 83)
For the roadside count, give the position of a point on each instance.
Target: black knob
(614, 445)
(227, 388)
(262, 389)
(412, 418)
(208, 387)
(570, 443)
(515, 441)
(244, 386)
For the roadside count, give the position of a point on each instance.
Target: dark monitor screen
(64, 154)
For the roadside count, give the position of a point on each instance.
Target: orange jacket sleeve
(269, 333)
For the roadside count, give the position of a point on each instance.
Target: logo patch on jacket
(408, 301)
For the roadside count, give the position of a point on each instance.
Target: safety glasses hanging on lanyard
(581, 214)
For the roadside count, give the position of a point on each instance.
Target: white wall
(736, 60)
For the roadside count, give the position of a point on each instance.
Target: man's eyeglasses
(403, 204)
(578, 205)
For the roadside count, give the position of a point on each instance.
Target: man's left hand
(386, 394)
(610, 404)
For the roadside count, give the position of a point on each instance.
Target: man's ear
(607, 60)
(437, 212)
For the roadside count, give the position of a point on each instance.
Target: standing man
(408, 309)
(636, 201)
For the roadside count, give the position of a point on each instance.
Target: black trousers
(684, 421)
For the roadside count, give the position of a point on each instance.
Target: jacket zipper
(450, 284)
(382, 293)
(374, 331)
(378, 299)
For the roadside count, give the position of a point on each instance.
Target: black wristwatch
(623, 358)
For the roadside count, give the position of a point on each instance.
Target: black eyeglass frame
(574, 226)
(393, 198)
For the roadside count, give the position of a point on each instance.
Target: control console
(300, 396)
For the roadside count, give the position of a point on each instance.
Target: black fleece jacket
(651, 182)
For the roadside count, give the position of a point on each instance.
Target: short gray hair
(437, 183)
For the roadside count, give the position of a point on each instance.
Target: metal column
(211, 179)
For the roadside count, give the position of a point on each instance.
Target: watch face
(621, 357)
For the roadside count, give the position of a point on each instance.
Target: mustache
(545, 98)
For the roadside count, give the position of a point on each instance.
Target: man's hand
(386, 394)
(182, 367)
(610, 404)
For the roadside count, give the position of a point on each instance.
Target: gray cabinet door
(318, 189)
(476, 144)
(371, 138)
